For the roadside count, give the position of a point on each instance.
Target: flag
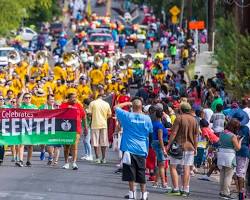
(89, 9)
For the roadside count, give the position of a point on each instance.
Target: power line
(231, 2)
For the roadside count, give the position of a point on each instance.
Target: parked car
(27, 33)
(101, 42)
(4, 52)
(56, 29)
(33, 43)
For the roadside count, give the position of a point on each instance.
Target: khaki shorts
(187, 160)
(100, 137)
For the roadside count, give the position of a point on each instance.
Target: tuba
(71, 59)
(41, 57)
(130, 60)
(121, 63)
(14, 57)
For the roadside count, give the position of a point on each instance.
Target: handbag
(175, 151)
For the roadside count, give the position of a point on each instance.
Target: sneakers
(19, 163)
(130, 195)
(223, 196)
(143, 195)
(66, 166)
(103, 161)
(89, 158)
(175, 192)
(28, 164)
(84, 157)
(166, 187)
(74, 166)
(204, 178)
(97, 161)
(42, 155)
(185, 194)
(118, 171)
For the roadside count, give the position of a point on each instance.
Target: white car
(4, 52)
(27, 33)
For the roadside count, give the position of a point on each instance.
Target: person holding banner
(25, 98)
(72, 103)
(53, 150)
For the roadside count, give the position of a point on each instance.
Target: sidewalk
(205, 65)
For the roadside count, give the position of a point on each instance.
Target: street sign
(174, 19)
(174, 11)
(196, 25)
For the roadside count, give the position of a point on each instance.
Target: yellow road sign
(174, 11)
(174, 19)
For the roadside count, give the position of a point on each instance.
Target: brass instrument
(14, 57)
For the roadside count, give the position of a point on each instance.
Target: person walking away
(134, 144)
(72, 103)
(100, 111)
(185, 56)
(184, 132)
(229, 143)
(53, 150)
(25, 98)
(163, 43)
(122, 42)
(242, 156)
(173, 52)
(160, 137)
(218, 120)
(148, 45)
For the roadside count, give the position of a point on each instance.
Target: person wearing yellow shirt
(60, 91)
(159, 55)
(60, 72)
(113, 86)
(31, 84)
(97, 77)
(120, 85)
(16, 81)
(3, 74)
(71, 76)
(83, 90)
(39, 97)
(3, 89)
(104, 67)
(71, 88)
(22, 70)
(108, 75)
(9, 86)
(160, 76)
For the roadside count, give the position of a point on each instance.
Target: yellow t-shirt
(3, 91)
(104, 67)
(84, 92)
(96, 76)
(38, 101)
(113, 87)
(100, 111)
(60, 93)
(70, 74)
(71, 90)
(59, 73)
(31, 86)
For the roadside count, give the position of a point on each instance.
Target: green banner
(33, 127)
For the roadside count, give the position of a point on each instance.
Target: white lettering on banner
(15, 126)
(16, 114)
(50, 126)
(26, 127)
(5, 126)
(38, 124)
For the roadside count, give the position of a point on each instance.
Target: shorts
(188, 159)
(136, 171)
(99, 137)
(158, 151)
(241, 166)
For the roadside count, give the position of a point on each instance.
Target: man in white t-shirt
(208, 112)
(246, 105)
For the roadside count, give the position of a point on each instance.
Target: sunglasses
(1, 99)
(13, 102)
(27, 97)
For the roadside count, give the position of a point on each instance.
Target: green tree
(232, 52)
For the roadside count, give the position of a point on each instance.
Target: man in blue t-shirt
(135, 141)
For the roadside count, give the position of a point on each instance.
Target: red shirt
(123, 99)
(80, 114)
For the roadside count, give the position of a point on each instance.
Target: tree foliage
(14, 11)
(232, 53)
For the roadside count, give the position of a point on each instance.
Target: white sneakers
(132, 195)
(88, 158)
(67, 166)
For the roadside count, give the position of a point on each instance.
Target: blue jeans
(1, 152)
(87, 145)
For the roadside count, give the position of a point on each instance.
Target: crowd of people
(169, 124)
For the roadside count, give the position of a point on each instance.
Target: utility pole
(190, 14)
(182, 11)
(211, 23)
(108, 7)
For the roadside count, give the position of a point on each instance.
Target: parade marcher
(134, 144)
(100, 111)
(229, 143)
(72, 103)
(25, 98)
(53, 150)
(184, 132)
